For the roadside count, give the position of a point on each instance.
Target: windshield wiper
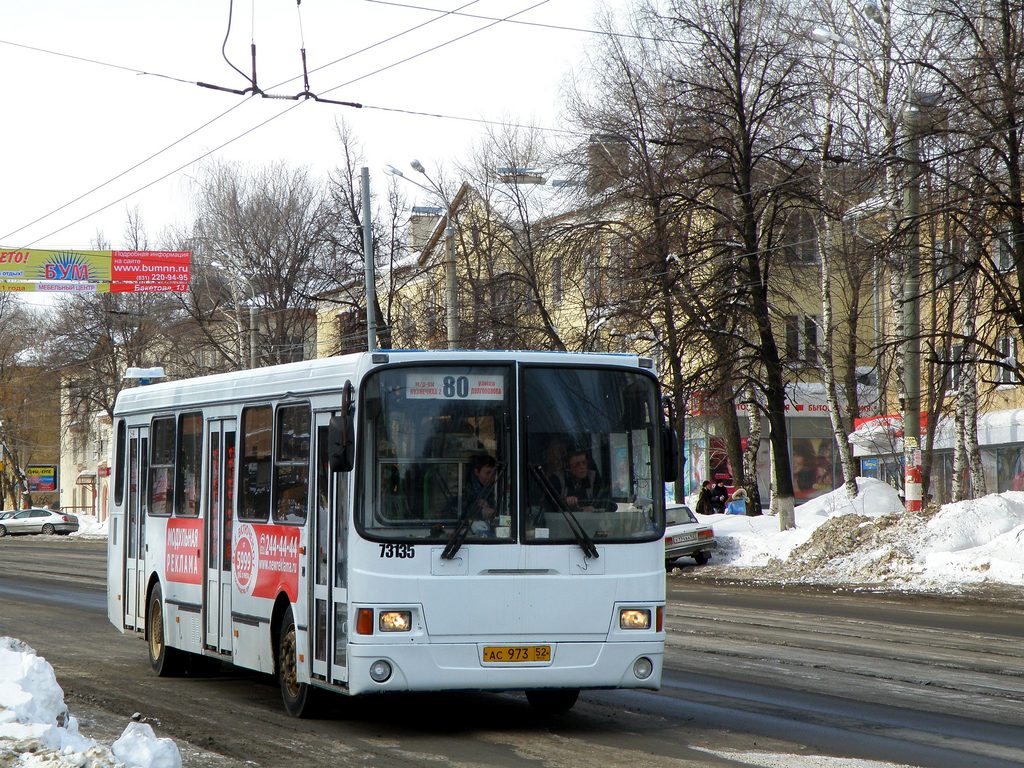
(458, 536)
(585, 542)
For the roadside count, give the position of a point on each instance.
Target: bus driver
(583, 488)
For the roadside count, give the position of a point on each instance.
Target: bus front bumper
(461, 666)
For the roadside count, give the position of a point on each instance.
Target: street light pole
(235, 272)
(449, 262)
(453, 288)
(922, 109)
(369, 279)
(252, 334)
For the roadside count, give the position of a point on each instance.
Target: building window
(955, 366)
(1006, 371)
(802, 338)
(1002, 251)
(810, 338)
(556, 281)
(800, 239)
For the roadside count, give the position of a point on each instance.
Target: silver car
(37, 520)
(685, 536)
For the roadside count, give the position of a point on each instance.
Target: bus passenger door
(135, 530)
(328, 575)
(219, 503)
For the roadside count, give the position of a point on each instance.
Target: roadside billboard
(70, 271)
(42, 478)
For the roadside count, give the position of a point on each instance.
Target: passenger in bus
(554, 460)
(291, 506)
(583, 488)
(479, 504)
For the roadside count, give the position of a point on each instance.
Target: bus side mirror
(340, 451)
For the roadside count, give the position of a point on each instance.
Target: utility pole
(453, 288)
(912, 315)
(252, 334)
(368, 274)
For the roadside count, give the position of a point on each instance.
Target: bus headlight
(634, 618)
(395, 621)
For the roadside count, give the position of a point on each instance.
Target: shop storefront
(878, 445)
(813, 459)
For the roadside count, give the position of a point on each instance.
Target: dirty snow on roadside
(37, 731)
(873, 541)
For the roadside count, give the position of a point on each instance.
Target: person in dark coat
(582, 488)
(719, 498)
(704, 499)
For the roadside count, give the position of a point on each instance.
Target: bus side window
(291, 463)
(189, 464)
(255, 469)
(119, 460)
(161, 467)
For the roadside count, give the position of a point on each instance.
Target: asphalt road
(754, 676)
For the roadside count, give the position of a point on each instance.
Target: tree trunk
(750, 454)
(842, 437)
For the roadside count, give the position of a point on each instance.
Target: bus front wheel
(553, 701)
(166, 662)
(297, 697)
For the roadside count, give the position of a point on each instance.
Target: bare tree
(263, 238)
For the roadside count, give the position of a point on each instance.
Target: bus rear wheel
(553, 701)
(166, 662)
(297, 697)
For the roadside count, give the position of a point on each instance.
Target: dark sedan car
(38, 521)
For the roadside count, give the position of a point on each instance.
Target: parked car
(37, 520)
(685, 536)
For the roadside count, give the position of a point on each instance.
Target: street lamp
(449, 234)
(236, 272)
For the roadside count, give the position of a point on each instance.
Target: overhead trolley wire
(187, 135)
(247, 131)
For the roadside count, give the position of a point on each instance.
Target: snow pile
(872, 540)
(90, 528)
(37, 731)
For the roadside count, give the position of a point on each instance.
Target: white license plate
(684, 537)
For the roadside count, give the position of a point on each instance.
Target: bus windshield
(438, 443)
(439, 462)
(589, 438)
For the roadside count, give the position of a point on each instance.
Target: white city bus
(334, 522)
